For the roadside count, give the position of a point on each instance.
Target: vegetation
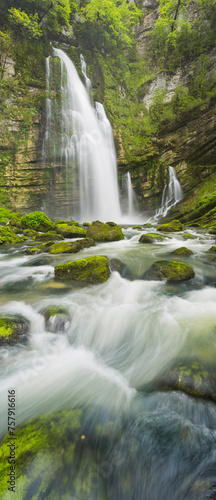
(91, 270)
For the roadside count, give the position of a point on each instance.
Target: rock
(67, 222)
(139, 228)
(121, 268)
(170, 227)
(7, 236)
(37, 221)
(194, 379)
(71, 247)
(45, 246)
(213, 249)
(71, 231)
(57, 319)
(32, 251)
(188, 236)
(145, 239)
(171, 271)
(92, 270)
(182, 251)
(49, 236)
(9, 217)
(99, 231)
(111, 224)
(12, 328)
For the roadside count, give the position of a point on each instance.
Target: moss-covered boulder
(12, 328)
(32, 251)
(99, 231)
(169, 270)
(57, 319)
(92, 270)
(193, 378)
(188, 236)
(213, 249)
(37, 221)
(151, 238)
(138, 228)
(9, 217)
(49, 236)
(71, 246)
(145, 239)
(170, 227)
(67, 222)
(7, 236)
(182, 251)
(70, 231)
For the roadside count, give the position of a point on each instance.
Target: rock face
(12, 329)
(91, 270)
(104, 232)
(171, 271)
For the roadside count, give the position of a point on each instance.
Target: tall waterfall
(172, 194)
(79, 139)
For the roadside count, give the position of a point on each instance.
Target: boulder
(32, 251)
(169, 270)
(182, 251)
(57, 319)
(12, 328)
(188, 236)
(152, 237)
(37, 221)
(70, 231)
(170, 227)
(67, 222)
(99, 231)
(8, 236)
(71, 246)
(49, 236)
(91, 270)
(193, 378)
(145, 239)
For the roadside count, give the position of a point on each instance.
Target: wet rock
(70, 231)
(12, 328)
(37, 221)
(193, 378)
(57, 319)
(32, 251)
(145, 239)
(67, 222)
(213, 248)
(182, 251)
(71, 247)
(99, 231)
(121, 268)
(49, 236)
(8, 236)
(92, 270)
(188, 236)
(170, 227)
(169, 270)
(139, 228)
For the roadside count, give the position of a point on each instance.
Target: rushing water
(130, 211)
(172, 194)
(123, 334)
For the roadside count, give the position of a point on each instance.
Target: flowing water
(130, 211)
(123, 334)
(172, 194)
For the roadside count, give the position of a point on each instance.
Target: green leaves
(29, 24)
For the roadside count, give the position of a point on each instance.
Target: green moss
(99, 231)
(32, 251)
(7, 236)
(48, 236)
(173, 226)
(70, 231)
(182, 251)
(154, 236)
(37, 221)
(92, 270)
(188, 236)
(66, 222)
(171, 271)
(6, 329)
(12, 328)
(71, 247)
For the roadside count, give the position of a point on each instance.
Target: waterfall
(79, 140)
(130, 195)
(172, 194)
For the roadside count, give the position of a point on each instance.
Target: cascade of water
(84, 143)
(130, 195)
(172, 194)
(84, 72)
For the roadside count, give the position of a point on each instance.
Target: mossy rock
(170, 227)
(92, 270)
(7, 236)
(32, 251)
(71, 247)
(155, 237)
(171, 271)
(110, 223)
(99, 231)
(182, 251)
(213, 249)
(193, 378)
(188, 236)
(37, 221)
(145, 239)
(12, 328)
(147, 224)
(49, 236)
(212, 230)
(57, 319)
(70, 231)
(86, 224)
(119, 266)
(45, 246)
(138, 228)
(67, 222)
(7, 216)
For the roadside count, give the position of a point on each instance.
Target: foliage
(29, 24)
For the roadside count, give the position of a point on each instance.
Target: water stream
(123, 334)
(172, 194)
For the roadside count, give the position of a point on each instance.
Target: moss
(7, 236)
(37, 221)
(71, 247)
(213, 249)
(99, 231)
(155, 236)
(70, 231)
(139, 228)
(173, 226)
(57, 318)
(32, 251)
(145, 239)
(182, 251)
(171, 271)
(188, 236)
(50, 235)
(67, 222)
(7, 216)
(92, 270)
(12, 328)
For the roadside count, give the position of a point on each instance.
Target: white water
(130, 196)
(172, 194)
(81, 138)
